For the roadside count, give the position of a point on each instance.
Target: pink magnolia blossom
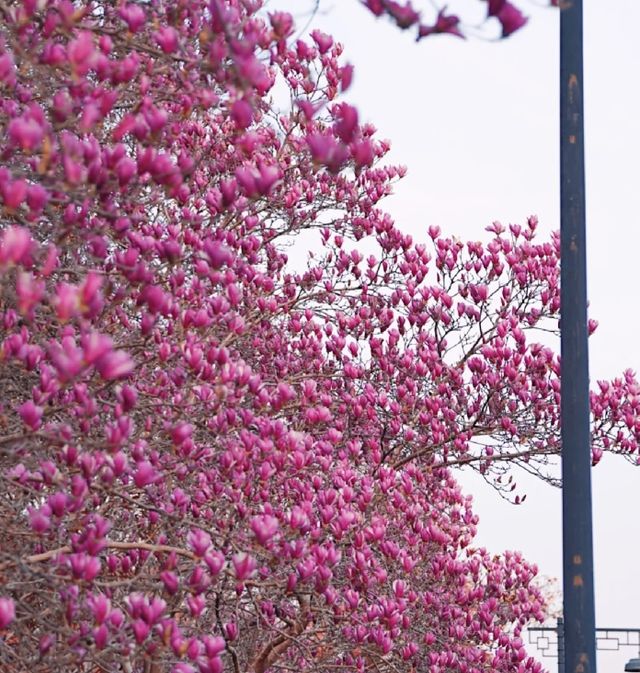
(282, 23)
(199, 541)
(7, 611)
(13, 192)
(100, 607)
(183, 668)
(346, 77)
(242, 113)
(145, 474)
(115, 365)
(404, 15)
(29, 291)
(66, 358)
(445, 24)
(244, 565)
(37, 198)
(264, 527)
(91, 300)
(31, 414)
(167, 38)
(133, 15)
(7, 69)
(66, 301)
(347, 123)
(218, 254)
(101, 636)
(363, 153)
(95, 346)
(511, 19)
(15, 245)
(325, 149)
(40, 519)
(81, 52)
(324, 41)
(58, 503)
(27, 133)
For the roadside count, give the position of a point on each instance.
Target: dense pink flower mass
(215, 457)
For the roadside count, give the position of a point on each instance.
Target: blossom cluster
(508, 16)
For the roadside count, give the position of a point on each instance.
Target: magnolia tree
(213, 458)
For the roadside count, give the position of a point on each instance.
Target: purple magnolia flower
(167, 38)
(264, 527)
(7, 611)
(324, 41)
(404, 15)
(511, 19)
(31, 414)
(145, 474)
(26, 133)
(199, 541)
(133, 15)
(244, 565)
(15, 245)
(115, 365)
(445, 24)
(242, 113)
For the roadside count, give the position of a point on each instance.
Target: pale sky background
(477, 125)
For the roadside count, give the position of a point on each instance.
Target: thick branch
(278, 646)
(45, 556)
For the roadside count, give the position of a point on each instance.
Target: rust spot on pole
(583, 661)
(573, 88)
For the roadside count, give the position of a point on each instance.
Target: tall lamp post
(579, 610)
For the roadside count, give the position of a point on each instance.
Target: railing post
(560, 635)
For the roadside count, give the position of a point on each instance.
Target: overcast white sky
(477, 125)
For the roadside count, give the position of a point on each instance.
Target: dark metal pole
(579, 611)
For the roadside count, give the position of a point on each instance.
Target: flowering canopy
(215, 457)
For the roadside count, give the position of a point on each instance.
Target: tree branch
(45, 556)
(272, 650)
